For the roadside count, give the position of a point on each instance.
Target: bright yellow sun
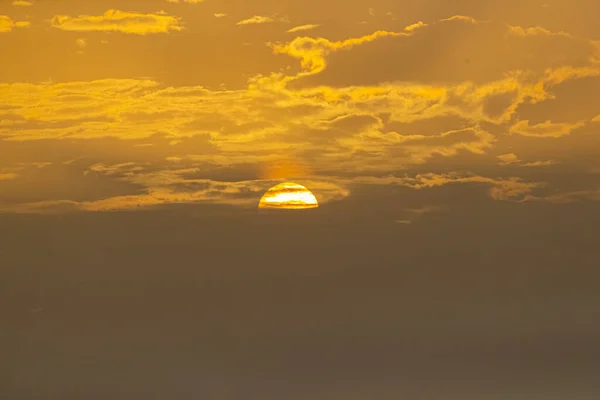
(288, 195)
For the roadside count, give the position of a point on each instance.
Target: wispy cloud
(4, 176)
(119, 21)
(545, 129)
(414, 26)
(257, 19)
(534, 31)
(22, 3)
(513, 159)
(303, 28)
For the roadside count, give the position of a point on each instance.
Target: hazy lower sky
(453, 147)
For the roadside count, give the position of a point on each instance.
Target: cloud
(82, 44)
(583, 85)
(313, 51)
(420, 148)
(545, 129)
(4, 176)
(513, 159)
(186, 1)
(115, 169)
(414, 26)
(568, 197)
(488, 52)
(7, 24)
(257, 19)
(220, 15)
(119, 21)
(413, 214)
(463, 18)
(303, 28)
(544, 163)
(178, 187)
(22, 3)
(512, 188)
(535, 30)
(509, 158)
(187, 144)
(173, 187)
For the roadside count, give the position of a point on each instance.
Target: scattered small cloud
(22, 3)
(303, 28)
(220, 15)
(546, 129)
(414, 26)
(119, 21)
(464, 18)
(513, 159)
(257, 19)
(545, 163)
(413, 214)
(534, 31)
(7, 24)
(509, 158)
(4, 176)
(41, 164)
(81, 44)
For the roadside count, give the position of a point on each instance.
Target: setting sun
(288, 195)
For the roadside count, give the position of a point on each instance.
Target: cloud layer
(451, 100)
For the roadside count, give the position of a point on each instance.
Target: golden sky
(153, 102)
(453, 149)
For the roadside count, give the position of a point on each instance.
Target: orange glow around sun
(288, 195)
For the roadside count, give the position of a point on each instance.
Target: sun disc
(288, 195)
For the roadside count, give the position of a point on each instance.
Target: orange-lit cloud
(333, 109)
(119, 21)
(7, 175)
(303, 28)
(509, 158)
(512, 188)
(257, 19)
(414, 26)
(7, 24)
(546, 129)
(22, 3)
(513, 159)
(532, 31)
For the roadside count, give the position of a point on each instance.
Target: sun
(288, 195)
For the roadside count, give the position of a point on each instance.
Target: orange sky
(158, 95)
